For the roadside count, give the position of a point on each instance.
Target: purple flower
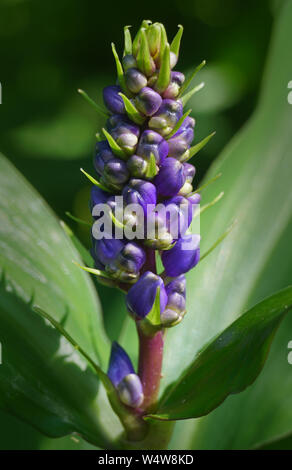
(141, 296)
(176, 293)
(124, 131)
(107, 250)
(189, 173)
(176, 302)
(178, 216)
(103, 154)
(129, 62)
(115, 174)
(152, 142)
(98, 197)
(183, 256)
(179, 144)
(121, 259)
(148, 101)
(113, 170)
(140, 192)
(171, 178)
(173, 89)
(122, 375)
(138, 166)
(135, 80)
(120, 364)
(166, 117)
(159, 236)
(112, 99)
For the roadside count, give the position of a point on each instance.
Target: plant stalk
(150, 366)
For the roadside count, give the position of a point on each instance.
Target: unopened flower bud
(115, 174)
(98, 196)
(122, 375)
(189, 172)
(148, 101)
(140, 192)
(113, 171)
(137, 166)
(124, 131)
(129, 62)
(166, 117)
(173, 59)
(152, 143)
(130, 391)
(171, 177)
(176, 301)
(119, 258)
(183, 256)
(141, 296)
(112, 99)
(153, 35)
(173, 89)
(135, 80)
(159, 237)
(179, 144)
(127, 264)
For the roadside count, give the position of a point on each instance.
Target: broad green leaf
(36, 256)
(229, 364)
(253, 261)
(39, 374)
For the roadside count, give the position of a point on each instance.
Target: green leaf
(229, 364)
(36, 255)
(39, 373)
(253, 261)
(83, 252)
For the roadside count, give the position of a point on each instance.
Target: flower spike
(145, 190)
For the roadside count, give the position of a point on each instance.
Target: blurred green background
(49, 49)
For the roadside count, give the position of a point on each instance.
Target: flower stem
(150, 365)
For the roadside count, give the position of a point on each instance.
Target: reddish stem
(150, 365)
